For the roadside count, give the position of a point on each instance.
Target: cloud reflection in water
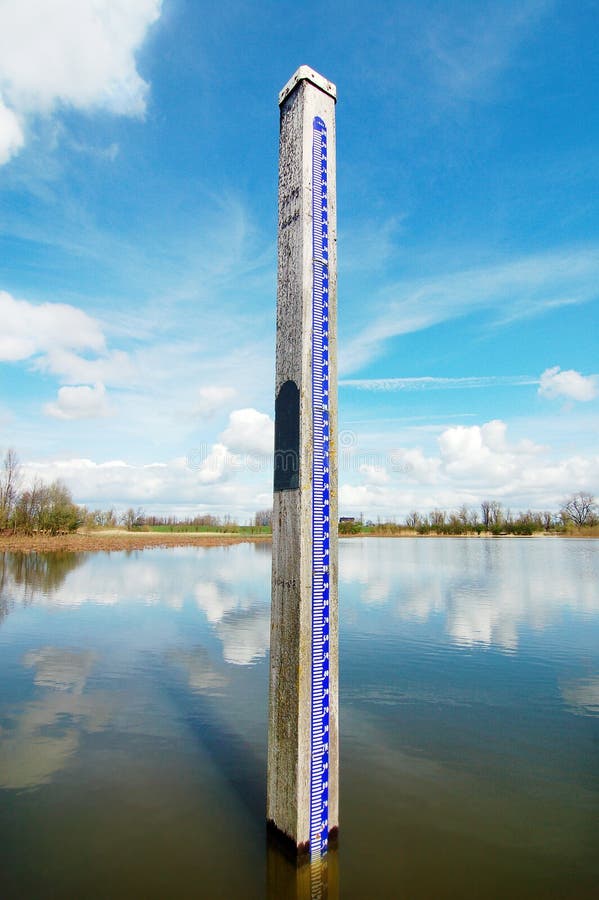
(233, 596)
(45, 733)
(486, 591)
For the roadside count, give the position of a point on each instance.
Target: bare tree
(580, 509)
(133, 518)
(485, 510)
(263, 517)
(10, 480)
(437, 518)
(463, 515)
(412, 519)
(491, 513)
(547, 519)
(496, 513)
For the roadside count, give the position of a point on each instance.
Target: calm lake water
(133, 703)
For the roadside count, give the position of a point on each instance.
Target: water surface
(133, 707)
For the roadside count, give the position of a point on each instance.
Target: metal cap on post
(302, 801)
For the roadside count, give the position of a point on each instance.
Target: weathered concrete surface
(288, 797)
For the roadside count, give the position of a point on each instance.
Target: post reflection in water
(286, 880)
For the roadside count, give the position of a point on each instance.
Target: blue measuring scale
(319, 732)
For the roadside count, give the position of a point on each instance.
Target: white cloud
(249, 431)
(42, 739)
(72, 53)
(29, 329)
(435, 383)
(473, 463)
(415, 464)
(466, 465)
(79, 402)
(113, 367)
(479, 603)
(465, 62)
(568, 383)
(374, 474)
(214, 601)
(66, 342)
(482, 453)
(204, 676)
(245, 444)
(582, 695)
(60, 669)
(518, 289)
(11, 133)
(216, 465)
(223, 487)
(245, 635)
(212, 398)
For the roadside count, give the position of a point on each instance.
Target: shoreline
(108, 541)
(92, 542)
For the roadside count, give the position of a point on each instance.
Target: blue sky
(138, 208)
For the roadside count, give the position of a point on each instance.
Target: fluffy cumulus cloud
(472, 463)
(373, 474)
(244, 447)
(66, 342)
(69, 53)
(214, 465)
(29, 329)
(79, 402)
(568, 384)
(250, 432)
(482, 454)
(223, 486)
(212, 398)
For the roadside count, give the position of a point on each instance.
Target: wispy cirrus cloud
(519, 289)
(466, 54)
(433, 383)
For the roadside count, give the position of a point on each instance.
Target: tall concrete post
(303, 751)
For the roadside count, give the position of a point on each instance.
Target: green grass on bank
(206, 529)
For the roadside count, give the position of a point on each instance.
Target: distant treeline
(49, 509)
(42, 508)
(578, 512)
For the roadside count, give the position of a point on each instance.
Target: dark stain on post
(287, 437)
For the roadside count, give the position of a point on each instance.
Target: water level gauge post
(303, 751)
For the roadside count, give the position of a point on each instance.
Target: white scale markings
(319, 749)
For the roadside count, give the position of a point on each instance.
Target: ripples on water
(133, 722)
